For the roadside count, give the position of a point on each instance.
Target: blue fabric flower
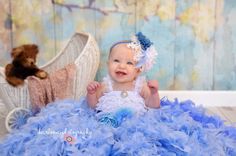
(144, 41)
(109, 119)
(117, 118)
(123, 114)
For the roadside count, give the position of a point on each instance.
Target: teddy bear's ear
(32, 48)
(16, 51)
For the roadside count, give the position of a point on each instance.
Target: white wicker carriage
(81, 49)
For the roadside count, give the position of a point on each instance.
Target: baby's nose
(122, 65)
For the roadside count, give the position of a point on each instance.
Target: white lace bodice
(112, 100)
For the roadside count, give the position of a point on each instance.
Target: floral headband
(145, 52)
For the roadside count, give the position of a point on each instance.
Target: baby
(124, 86)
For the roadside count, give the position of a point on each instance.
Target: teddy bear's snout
(30, 61)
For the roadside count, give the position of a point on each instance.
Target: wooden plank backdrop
(5, 31)
(195, 38)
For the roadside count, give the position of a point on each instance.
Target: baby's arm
(93, 93)
(150, 94)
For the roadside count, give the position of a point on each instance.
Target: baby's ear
(139, 70)
(107, 62)
(17, 52)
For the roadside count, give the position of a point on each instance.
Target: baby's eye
(130, 63)
(116, 60)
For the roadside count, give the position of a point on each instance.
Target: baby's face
(121, 64)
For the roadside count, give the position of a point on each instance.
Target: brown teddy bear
(23, 65)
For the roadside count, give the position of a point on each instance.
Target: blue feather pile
(177, 128)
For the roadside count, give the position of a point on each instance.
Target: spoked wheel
(16, 118)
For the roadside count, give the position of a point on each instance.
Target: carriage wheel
(16, 118)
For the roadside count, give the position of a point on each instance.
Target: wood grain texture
(32, 22)
(5, 31)
(228, 114)
(195, 39)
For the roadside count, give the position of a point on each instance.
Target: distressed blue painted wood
(195, 39)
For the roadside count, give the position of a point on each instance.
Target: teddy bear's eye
(20, 55)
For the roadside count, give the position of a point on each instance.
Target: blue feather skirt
(69, 127)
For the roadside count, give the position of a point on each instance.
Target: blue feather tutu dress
(70, 127)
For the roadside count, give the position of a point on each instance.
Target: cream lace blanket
(58, 85)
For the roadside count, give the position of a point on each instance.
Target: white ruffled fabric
(113, 101)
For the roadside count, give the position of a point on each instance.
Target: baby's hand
(153, 86)
(92, 87)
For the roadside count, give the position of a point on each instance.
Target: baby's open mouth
(121, 73)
